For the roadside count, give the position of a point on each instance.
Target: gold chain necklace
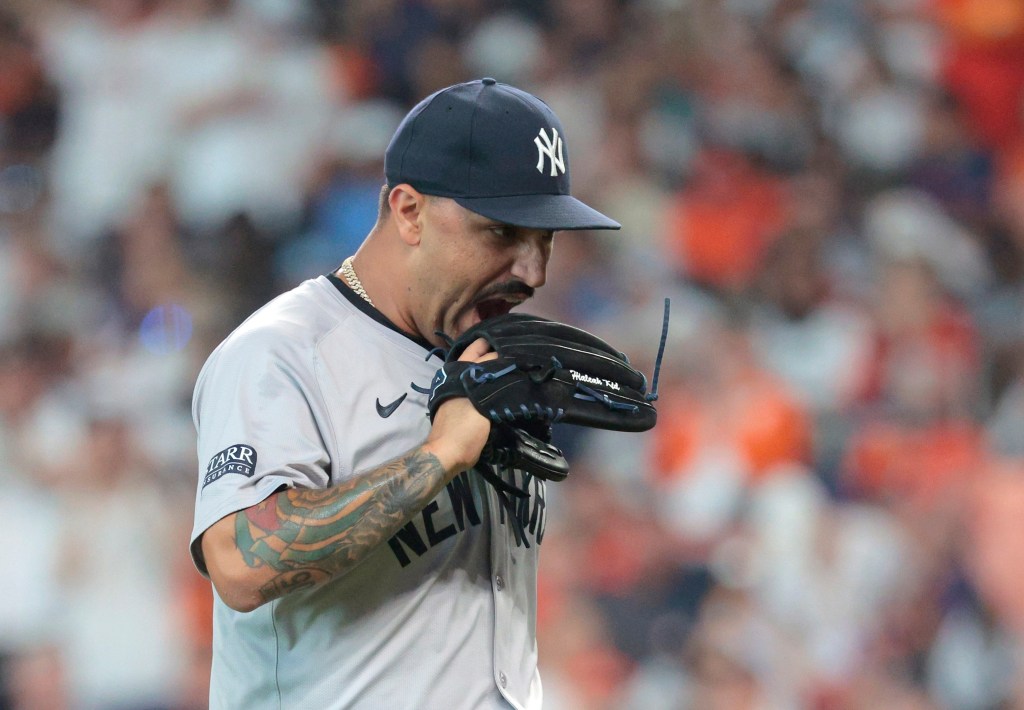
(353, 281)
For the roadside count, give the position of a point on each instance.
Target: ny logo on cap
(551, 147)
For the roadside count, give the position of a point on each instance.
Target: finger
(477, 351)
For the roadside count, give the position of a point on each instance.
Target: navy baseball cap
(494, 149)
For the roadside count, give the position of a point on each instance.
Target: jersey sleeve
(255, 411)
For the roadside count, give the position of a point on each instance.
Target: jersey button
(502, 679)
(499, 582)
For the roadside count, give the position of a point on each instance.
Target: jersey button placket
(499, 582)
(502, 679)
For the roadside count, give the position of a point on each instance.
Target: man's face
(470, 268)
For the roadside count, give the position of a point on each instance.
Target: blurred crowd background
(830, 513)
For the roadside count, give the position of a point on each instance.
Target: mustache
(511, 288)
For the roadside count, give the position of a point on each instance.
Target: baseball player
(357, 560)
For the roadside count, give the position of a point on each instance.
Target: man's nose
(531, 264)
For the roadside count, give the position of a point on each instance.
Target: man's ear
(407, 203)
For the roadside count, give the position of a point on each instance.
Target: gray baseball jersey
(311, 389)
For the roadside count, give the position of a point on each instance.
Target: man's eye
(501, 230)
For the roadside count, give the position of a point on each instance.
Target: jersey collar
(372, 312)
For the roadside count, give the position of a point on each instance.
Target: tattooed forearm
(290, 582)
(312, 535)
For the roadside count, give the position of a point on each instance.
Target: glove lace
(541, 413)
(661, 353)
(507, 496)
(481, 376)
(592, 395)
(441, 353)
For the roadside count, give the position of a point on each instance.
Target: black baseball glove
(546, 372)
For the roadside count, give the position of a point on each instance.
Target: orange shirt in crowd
(722, 224)
(919, 463)
(754, 414)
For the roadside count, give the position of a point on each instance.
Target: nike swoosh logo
(386, 410)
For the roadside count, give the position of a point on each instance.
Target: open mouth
(497, 306)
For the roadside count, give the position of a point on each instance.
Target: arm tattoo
(309, 536)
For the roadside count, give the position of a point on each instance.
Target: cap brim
(554, 212)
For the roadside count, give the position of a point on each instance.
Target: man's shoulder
(288, 326)
(300, 315)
